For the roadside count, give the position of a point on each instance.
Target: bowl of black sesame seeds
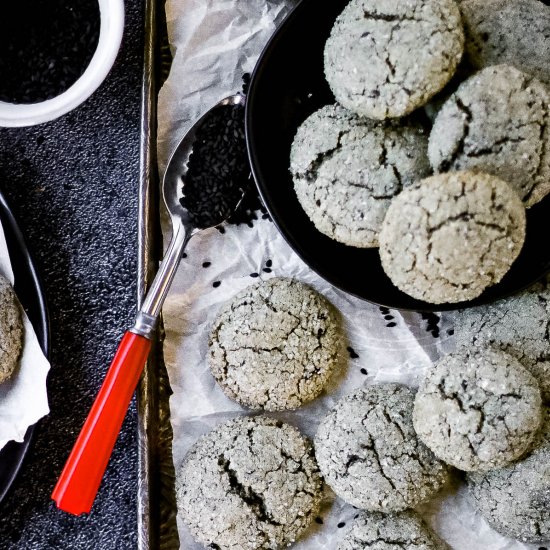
(287, 86)
(54, 55)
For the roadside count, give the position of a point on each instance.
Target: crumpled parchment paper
(214, 42)
(23, 398)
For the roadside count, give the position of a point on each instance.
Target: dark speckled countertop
(73, 186)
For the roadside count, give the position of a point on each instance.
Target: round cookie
(275, 345)
(515, 32)
(515, 500)
(250, 483)
(519, 325)
(368, 451)
(377, 531)
(451, 236)
(385, 58)
(11, 330)
(477, 410)
(346, 169)
(497, 122)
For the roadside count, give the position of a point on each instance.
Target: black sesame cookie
(370, 455)
(448, 238)
(515, 32)
(252, 483)
(497, 122)
(275, 345)
(11, 330)
(519, 325)
(515, 500)
(477, 409)
(377, 531)
(385, 58)
(346, 169)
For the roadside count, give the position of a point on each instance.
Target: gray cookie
(451, 236)
(519, 325)
(275, 345)
(11, 330)
(515, 500)
(477, 410)
(497, 122)
(385, 58)
(346, 169)
(402, 531)
(515, 32)
(369, 453)
(250, 483)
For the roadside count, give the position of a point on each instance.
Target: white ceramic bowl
(110, 35)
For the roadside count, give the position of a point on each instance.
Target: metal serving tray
(156, 496)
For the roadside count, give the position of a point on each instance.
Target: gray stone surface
(252, 482)
(72, 185)
(497, 122)
(519, 325)
(402, 531)
(515, 500)
(346, 169)
(516, 32)
(385, 58)
(11, 330)
(451, 236)
(478, 409)
(275, 345)
(369, 453)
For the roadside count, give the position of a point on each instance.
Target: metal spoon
(79, 482)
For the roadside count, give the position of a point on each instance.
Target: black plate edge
(37, 311)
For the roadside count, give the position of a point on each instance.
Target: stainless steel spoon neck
(147, 318)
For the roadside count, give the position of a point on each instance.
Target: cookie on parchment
(478, 409)
(252, 483)
(370, 455)
(275, 345)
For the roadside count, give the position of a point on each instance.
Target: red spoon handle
(79, 482)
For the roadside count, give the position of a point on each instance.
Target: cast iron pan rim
(282, 224)
(39, 319)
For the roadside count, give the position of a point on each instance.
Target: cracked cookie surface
(11, 330)
(497, 122)
(519, 325)
(275, 345)
(515, 500)
(370, 455)
(451, 236)
(346, 170)
(252, 483)
(516, 32)
(384, 58)
(477, 409)
(402, 531)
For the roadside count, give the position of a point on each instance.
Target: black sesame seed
(319, 520)
(388, 317)
(341, 524)
(267, 270)
(364, 371)
(391, 324)
(46, 45)
(352, 353)
(206, 264)
(184, 255)
(216, 284)
(450, 332)
(269, 263)
(254, 275)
